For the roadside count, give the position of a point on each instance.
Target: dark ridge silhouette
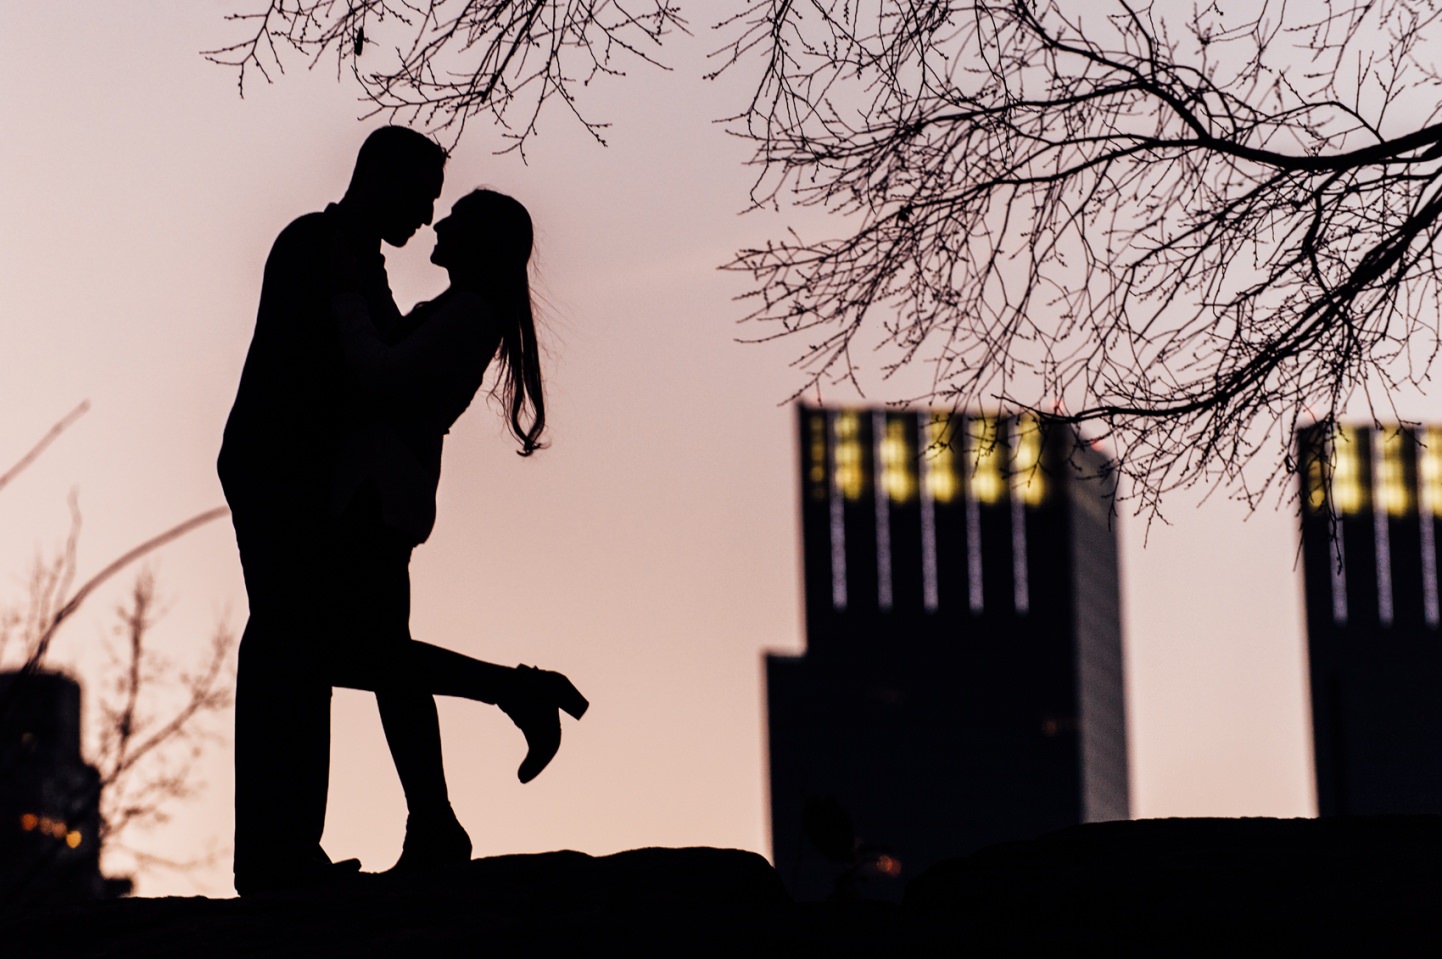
(1170, 887)
(330, 464)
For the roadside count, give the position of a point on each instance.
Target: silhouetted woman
(411, 386)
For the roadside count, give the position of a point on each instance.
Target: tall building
(49, 795)
(1371, 499)
(962, 680)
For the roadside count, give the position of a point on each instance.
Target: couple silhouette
(330, 464)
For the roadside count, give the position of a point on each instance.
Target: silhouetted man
(277, 465)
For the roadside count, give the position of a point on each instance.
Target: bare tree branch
(145, 761)
(439, 63)
(61, 426)
(52, 620)
(1194, 229)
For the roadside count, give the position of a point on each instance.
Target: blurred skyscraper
(1371, 498)
(962, 682)
(49, 795)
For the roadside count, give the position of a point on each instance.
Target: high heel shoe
(532, 705)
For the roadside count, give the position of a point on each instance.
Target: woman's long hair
(502, 237)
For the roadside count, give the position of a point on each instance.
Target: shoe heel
(569, 698)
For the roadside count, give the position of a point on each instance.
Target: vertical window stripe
(1021, 588)
(1382, 542)
(929, 594)
(883, 510)
(838, 524)
(971, 450)
(1428, 531)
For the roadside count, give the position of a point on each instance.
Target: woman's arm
(436, 369)
(445, 344)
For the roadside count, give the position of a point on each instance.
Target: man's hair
(394, 152)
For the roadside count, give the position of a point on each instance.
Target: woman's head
(486, 239)
(485, 244)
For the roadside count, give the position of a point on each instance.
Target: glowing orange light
(888, 865)
(72, 839)
(29, 821)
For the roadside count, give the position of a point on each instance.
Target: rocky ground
(1170, 887)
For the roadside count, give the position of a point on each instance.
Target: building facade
(1371, 498)
(962, 681)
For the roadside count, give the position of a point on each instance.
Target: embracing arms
(436, 368)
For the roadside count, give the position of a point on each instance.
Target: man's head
(398, 175)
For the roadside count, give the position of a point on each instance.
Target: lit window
(897, 478)
(816, 456)
(1391, 486)
(1026, 461)
(986, 485)
(849, 477)
(1346, 472)
(940, 461)
(1429, 463)
(1316, 478)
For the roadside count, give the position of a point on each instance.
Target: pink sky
(651, 553)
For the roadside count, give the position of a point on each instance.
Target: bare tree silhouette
(440, 62)
(1192, 227)
(150, 712)
(1196, 229)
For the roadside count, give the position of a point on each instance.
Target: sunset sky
(651, 553)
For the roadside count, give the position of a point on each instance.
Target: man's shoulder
(308, 244)
(309, 228)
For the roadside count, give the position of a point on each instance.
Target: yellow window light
(1429, 466)
(1026, 460)
(816, 455)
(1315, 495)
(986, 485)
(847, 473)
(1391, 485)
(940, 459)
(897, 477)
(1346, 485)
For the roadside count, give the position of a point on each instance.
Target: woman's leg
(381, 657)
(374, 578)
(413, 733)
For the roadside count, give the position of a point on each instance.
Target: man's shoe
(307, 873)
